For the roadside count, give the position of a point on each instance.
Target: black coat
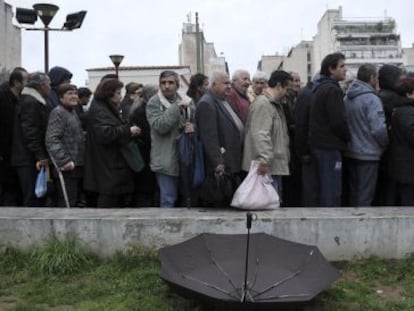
(8, 102)
(402, 143)
(29, 129)
(302, 114)
(145, 180)
(106, 170)
(217, 129)
(328, 128)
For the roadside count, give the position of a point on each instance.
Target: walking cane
(62, 183)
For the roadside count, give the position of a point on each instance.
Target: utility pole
(198, 52)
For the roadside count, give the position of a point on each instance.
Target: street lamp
(116, 60)
(46, 12)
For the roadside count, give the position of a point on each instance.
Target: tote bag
(256, 192)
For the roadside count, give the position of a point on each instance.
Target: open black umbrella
(276, 273)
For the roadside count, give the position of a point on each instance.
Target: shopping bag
(41, 183)
(256, 192)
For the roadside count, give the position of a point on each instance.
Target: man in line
(220, 128)
(267, 139)
(369, 138)
(259, 84)
(237, 96)
(328, 130)
(9, 94)
(165, 114)
(29, 149)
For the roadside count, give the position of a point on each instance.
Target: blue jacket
(366, 122)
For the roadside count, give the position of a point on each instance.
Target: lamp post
(46, 12)
(116, 60)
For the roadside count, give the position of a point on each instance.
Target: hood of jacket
(322, 81)
(359, 87)
(57, 75)
(388, 76)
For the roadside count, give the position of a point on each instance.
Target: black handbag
(133, 156)
(217, 189)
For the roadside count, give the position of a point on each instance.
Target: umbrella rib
(256, 273)
(289, 277)
(213, 259)
(211, 286)
(282, 297)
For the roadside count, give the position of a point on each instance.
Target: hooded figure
(388, 76)
(57, 75)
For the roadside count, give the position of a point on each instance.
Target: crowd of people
(324, 144)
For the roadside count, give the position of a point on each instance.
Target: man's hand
(263, 169)
(135, 130)
(189, 127)
(220, 169)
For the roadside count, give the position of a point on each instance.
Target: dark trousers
(73, 186)
(10, 194)
(310, 182)
(27, 178)
(362, 181)
(329, 167)
(112, 200)
(406, 194)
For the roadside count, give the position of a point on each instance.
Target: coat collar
(34, 93)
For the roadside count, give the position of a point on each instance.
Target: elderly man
(166, 113)
(259, 84)
(221, 130)
(29, 135)
(237, 96)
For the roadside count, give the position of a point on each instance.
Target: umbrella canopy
(212, 267)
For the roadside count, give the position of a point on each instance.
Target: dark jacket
(328, 126)
(219, 135)
(106, 170)
(302, 115)
(390, 100)
(29, 129)
(145, 180)
(402, 143)
(8, 102)
(64, 137)
(56, 75)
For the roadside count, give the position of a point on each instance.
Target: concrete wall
(341, 233)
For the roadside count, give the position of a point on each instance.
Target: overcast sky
(149, 32)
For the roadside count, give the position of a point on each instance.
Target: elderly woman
(106, 170)
(65, 143)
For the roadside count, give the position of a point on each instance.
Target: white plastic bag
(256, 192)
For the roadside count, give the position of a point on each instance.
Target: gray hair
(36, 79)
(215, 75)
(238, 73)
(260, 75)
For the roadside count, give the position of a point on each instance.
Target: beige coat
(267, 138)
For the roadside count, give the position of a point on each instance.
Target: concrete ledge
(340, 233)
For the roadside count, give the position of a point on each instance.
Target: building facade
(10, 38)
(365, 40)
(361, 40)
(194, 51)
